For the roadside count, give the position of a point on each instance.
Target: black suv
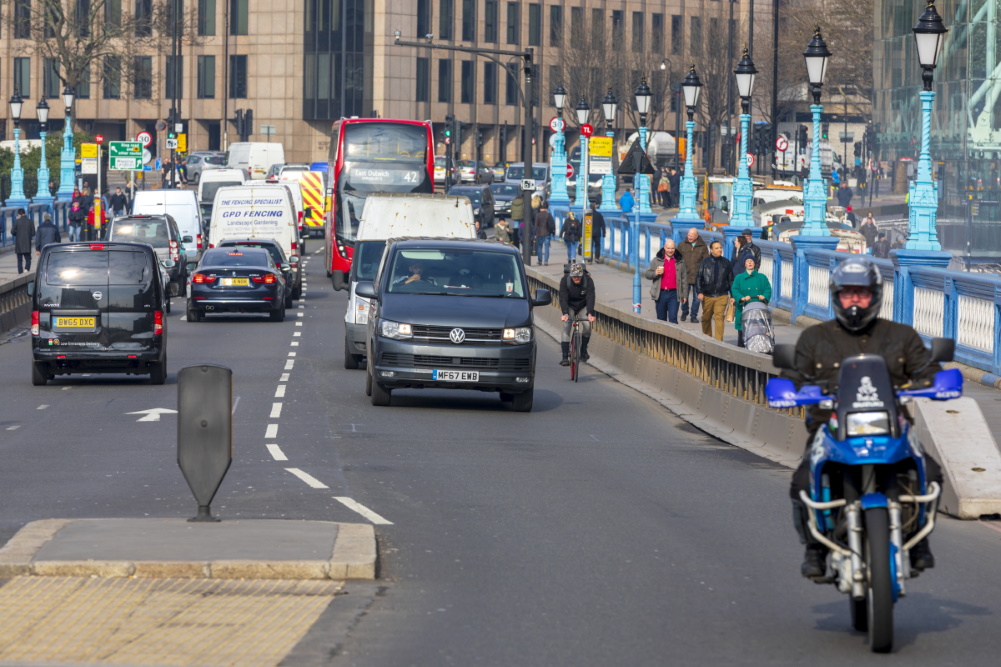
(482, 199)
(98, 308)
(452, 314)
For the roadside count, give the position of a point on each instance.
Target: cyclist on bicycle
(576, 294)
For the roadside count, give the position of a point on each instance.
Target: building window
(469, 20)
(174, 78)
(511, 85)
(239, 13)
(22, 76)
(111, 78)
(466, 82)
(83, 16)
(576, 25)
(513, 23)
(637, 32)
(490, 20)
(598, 30)
(143, 66)
(206, 18)
(696, 36)
(144, 18)
(206, 77)
(113, 13)
(677, 34)
(446, 17)
(22, 19)
(489, 83)
(444, 80)
(82, 89)
(618, 29)
(238, 77)
(535, 24)
(423, 80)
(555, 25)
(50, 78)
(657, 33)
(423, 18)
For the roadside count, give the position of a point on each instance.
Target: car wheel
(350, 360)
(194, 315)
(158, 372)
(368, 383)
(39, 374)
(288, 300)
(381, 395)
(278, 315)
(523, 402)
(167, 304)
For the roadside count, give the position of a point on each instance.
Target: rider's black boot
(815, 558)
(584, 356)
(565, 361)
(921, 556)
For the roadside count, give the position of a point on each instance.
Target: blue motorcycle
(869, 501)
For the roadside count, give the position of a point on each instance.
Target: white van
(258, 212)
(254, 157)
(214, 179)
(392, 215)
(182, 205)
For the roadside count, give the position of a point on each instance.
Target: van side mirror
(543, 297)
(366, 289)
(31, 288)
(943, 349)
(784, 356)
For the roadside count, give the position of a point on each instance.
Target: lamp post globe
(929, 33)
(559, 197)
(17, 197)
(743, 189)
(691, 87)
(43, 194)
(67, 158)
(609, 107)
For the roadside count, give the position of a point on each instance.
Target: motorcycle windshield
(866, 402)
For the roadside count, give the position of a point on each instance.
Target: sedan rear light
(199, 238)
(268, 279)
(158, 323)
(202, 278)
(34, 323)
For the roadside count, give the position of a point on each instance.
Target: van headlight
(867, 423)
(519, 335)
(395, 330)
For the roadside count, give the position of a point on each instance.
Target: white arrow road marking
(361, 509)
(153, 414)
(276, 453)
(309, 479)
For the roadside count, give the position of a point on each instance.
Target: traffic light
(802, 136)
(858, 149)
(448, 128)
(479, 137)
(823, 132)
(248, 122)
(239, 122)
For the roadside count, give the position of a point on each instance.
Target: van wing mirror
(543, 297)
(943, 349)
(784, 356)
(31, 288)
(366, 289)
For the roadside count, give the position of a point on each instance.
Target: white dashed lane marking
(271, 432)
(364, 511)
(276, 410)
(291, 354)
(289, 364)
(276, 453)
(296, 333)
(41, 407)
(309, 479)
(280, 391)
(284, 377)
(14, 428)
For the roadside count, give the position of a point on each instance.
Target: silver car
(200, 161)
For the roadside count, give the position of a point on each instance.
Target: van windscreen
(209, 189)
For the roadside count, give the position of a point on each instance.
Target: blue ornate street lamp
(43, 195)
(922, 235)
(643, 98)
(743, 190)
(558, 158)
(17, 197)
(583, 110)
(609, 106)
(67, 159)
(692, 88)
(815, 189)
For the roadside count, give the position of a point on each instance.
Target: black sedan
(504, 194)
(277, 255)
(236, 279)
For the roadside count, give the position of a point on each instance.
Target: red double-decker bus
(370, 155)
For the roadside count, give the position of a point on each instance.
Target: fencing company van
(258, 212)
(387, 216)
(254, 157)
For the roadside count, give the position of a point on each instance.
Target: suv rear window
(155, 232)
(92, 268)
(273, 250)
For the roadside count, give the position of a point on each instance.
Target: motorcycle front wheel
(879, 595)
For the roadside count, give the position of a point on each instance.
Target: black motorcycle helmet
(856, 272)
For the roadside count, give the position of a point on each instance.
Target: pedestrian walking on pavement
(674, 199)
(570, 234)
(869, 231)
(844, 194)
(881, 248)
(694, 250)
(748, 286)
(23, 231)
(118, 203)
(545, 227)
(46, 233)
(669, 281)
(77, 219)
(713, 281)
(626, 201)
(597, 232)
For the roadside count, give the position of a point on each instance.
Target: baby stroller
(756, 320)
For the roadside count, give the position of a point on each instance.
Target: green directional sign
(125, 156)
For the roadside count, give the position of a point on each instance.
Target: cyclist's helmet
(576, 270)
(856, 272)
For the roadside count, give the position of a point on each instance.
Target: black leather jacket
(710, 267)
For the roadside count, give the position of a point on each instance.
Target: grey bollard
(204, 430)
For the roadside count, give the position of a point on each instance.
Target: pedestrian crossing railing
(936, 302)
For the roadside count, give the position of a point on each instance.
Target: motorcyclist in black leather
(856, 294)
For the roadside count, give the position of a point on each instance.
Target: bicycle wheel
(575, 343)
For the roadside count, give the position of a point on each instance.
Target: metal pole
(528, 233)
(815, 198)
(923, 212)
(743, 191)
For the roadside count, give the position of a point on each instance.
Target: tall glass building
(966, 118)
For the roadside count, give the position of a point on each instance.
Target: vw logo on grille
(97, 296)
(457, 336)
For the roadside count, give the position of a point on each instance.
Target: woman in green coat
(748, 286)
